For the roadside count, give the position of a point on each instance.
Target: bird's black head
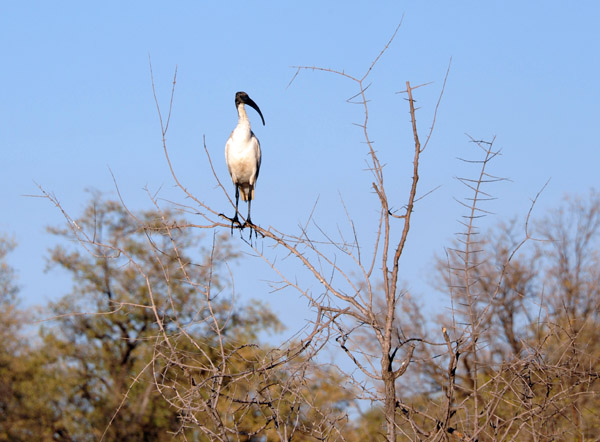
(243, 98)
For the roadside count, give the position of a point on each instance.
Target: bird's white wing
(227, 154)
(258, 155)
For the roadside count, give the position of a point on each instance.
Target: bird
(243, 156)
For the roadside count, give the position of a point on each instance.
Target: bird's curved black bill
(250, 102)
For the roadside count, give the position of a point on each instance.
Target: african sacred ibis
(242, 154)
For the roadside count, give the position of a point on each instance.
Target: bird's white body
(242, 154)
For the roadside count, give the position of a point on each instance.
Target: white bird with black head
(242, 154)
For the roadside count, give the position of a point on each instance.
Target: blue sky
(76, 100)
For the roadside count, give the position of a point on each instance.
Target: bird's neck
(243, 116)
(242, 131)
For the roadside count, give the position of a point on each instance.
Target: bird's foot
(235, 222)
(252, 227)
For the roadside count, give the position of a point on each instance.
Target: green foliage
(143, 281)
(29, 403)
(8, 299)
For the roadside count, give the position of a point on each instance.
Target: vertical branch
(391, 281)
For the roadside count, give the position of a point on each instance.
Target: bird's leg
(235, 219)
(248, 220)
(250, 224)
